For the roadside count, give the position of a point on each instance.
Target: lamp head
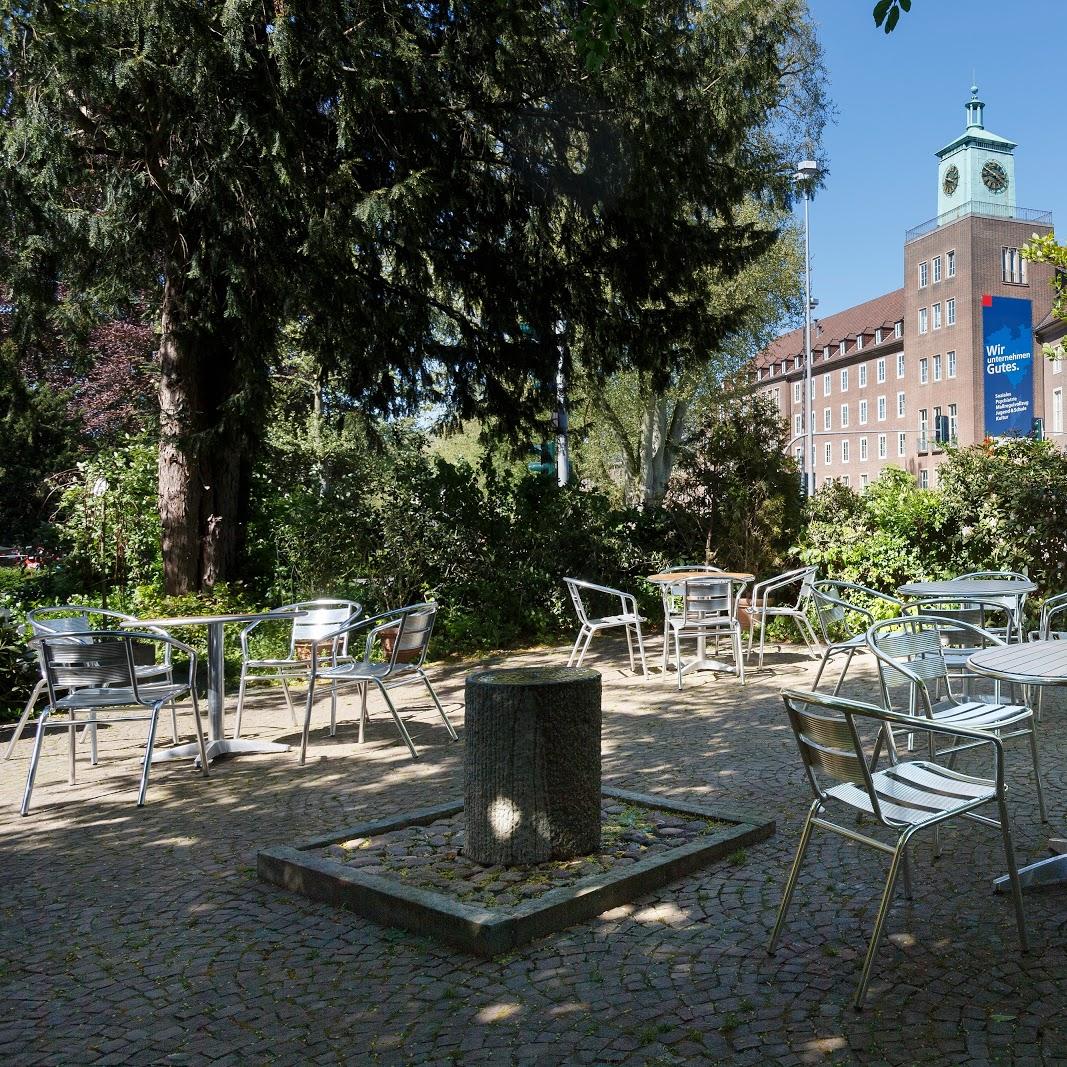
(807, 169)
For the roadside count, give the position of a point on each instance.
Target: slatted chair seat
(402, 639)
(629, 618)
(118, 696)
(904, 798)
(314, 625)
(914, 671)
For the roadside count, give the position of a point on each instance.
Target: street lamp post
(807, 171)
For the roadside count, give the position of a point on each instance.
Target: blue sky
(900, 97)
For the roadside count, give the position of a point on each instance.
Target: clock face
(994, 177)
(951, 181)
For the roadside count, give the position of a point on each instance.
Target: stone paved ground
(142, 936)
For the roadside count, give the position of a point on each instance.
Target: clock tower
(976, 171)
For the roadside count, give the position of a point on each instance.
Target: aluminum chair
(904, 798)
(761, 608)
(407, 631)
(95, 671)
(1050, 628)
(834, 602)
(911, 656)
(322, 618)
(629, 618)
(705, 608)
(75, 618)
(1014, 603)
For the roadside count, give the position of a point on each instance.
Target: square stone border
(490, 932)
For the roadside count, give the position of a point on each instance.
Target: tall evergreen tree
(436, 197)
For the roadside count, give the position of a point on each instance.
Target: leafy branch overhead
(887, 13)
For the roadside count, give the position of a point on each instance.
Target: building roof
(883, 312)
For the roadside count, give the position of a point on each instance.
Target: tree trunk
(532, 766)
(203, 476)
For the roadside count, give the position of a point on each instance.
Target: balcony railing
(983, 208)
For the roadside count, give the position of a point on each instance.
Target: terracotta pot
(388, 639)
(744, 612)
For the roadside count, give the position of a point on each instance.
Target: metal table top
(963, 588)
(668, 577)
(1032, 663)
(208, 620)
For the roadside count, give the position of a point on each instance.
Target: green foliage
(737, 497)
(18, 671)
(1042, 248)
(887, 13)
(890, 534)
(1007, 500)
(113, 539)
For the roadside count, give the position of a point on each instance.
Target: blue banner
(1007, 344)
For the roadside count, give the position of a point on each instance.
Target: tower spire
(975, 108)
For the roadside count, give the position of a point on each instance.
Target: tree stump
(532, 770)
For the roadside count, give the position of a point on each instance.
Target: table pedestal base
(216, 749)
(1050, 871)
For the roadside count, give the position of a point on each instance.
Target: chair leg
(577, 642)
(844, 671)
(147, 766)
(174, 720)
(822, 666)
(739, 659)
(307, 719)
(762, 642)
(35, 758)
(641, 650)
(794, 874)
(448, 726)
(879, 922)
(585, 647)
(630, 648)
(38, 689)
(94, 754)
(810, 638)
(1013, 873)
(333, 709)
(199, 726)
(362, 710)
(1036, 754)
(399, 722)
(751, 630)
(72, 733)
(289, 701)
(240, 704)
(678, 656)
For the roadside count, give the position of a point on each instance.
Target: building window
(924, 275)
(937, 268)
(953, 422)
(844, 416)
(828, 453)
(863, 449)
(799, 453)
(826, 385)
(898, 329)
(796, 363)
(937, 315)
(844, 480)
(937, 368)
(879, 370)
(785, 366)
(883, 446)
(863, 481)
(924, 320)
(881, 409)
(796, 392)
(924, 371)
(900, 405)
(844, 451)
(826, 418)
(798, 425)
(826, 352)
(902, 444)
(840, 348)
(924, 478)
(1014, 266)
(863, 412)
(952, 364)
(844, 380)
(1057, 365)
(1057, 411)
(863, 374)
(950, 311)
(950, 263)
(924, 429)
(900, 364)
(878, 336)
(859, 341)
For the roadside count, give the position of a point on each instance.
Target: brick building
(895, 377)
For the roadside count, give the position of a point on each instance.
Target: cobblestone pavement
(143, 936)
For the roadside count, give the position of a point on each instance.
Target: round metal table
(218, 743)
(1034, 663)
(968, 588)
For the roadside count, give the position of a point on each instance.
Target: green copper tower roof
(976, 134)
